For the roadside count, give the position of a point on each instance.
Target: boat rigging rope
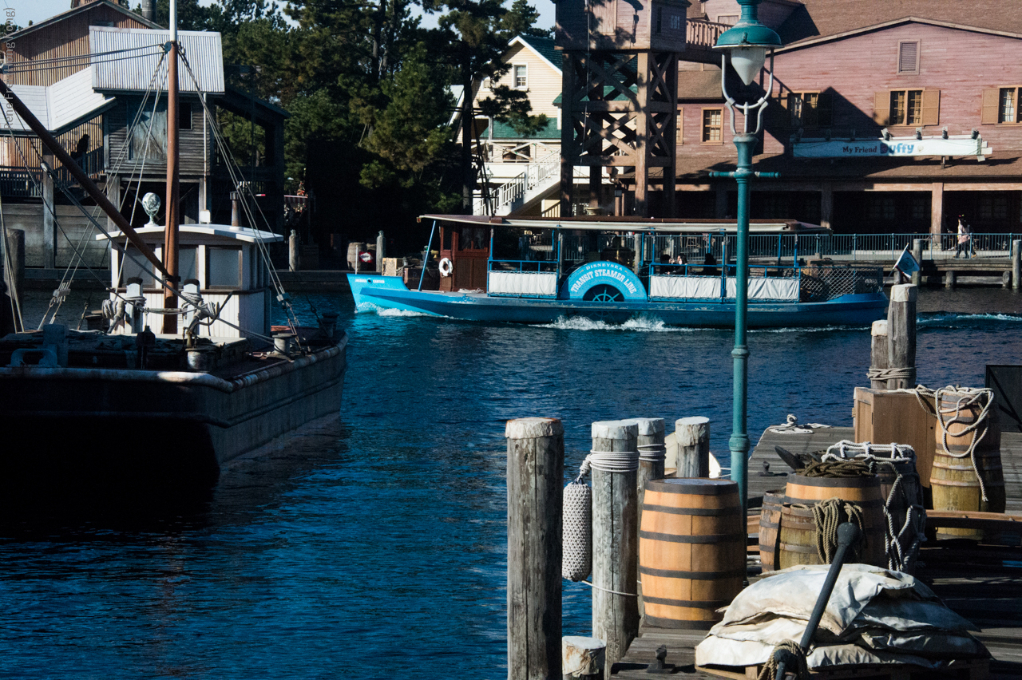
(800, 667)
(968, 398)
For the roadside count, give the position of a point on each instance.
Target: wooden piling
(615, 541)
(693, 435)
(381, 251)
(901, 335)
(949, 279)
(535, 477)
(878, 352)
(1016, 264)
(917, 253)
(652, 453)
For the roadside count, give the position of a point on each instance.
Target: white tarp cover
(773, 289)
(874, 616)
(523, 283)
(698, 287)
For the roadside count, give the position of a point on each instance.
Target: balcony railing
(703, 35)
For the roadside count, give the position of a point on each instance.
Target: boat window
(135, 265)
(224, 267)
(188, 263)
(445, 238)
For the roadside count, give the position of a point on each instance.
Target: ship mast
(170, 244)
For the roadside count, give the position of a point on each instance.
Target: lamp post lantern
(748, 42)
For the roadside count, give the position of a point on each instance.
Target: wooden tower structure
(619, 97)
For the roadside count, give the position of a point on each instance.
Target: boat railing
(813, 283)
(522, 265)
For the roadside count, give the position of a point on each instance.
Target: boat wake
(643, 324)
(948, 319)
(398, 312)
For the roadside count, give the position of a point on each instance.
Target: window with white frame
(521, 76)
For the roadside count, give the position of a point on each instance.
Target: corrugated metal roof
(114, 72)
(60, 106)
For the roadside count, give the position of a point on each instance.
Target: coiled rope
(836, 468)
(652, 453)
(880, 374)
(968, 398)
(613, 461)
(900, 544)
(827, 515)
(800, 667)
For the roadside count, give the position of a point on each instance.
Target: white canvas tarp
(874, 616)
(773, 289)
(523, 283)
(684, 287)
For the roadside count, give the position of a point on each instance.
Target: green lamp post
(748, 43)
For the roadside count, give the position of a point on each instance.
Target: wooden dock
(981, 590)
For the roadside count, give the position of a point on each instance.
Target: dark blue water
(373, 546)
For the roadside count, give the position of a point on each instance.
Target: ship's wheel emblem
(604, 293)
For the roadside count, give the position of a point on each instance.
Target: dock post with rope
(652, 460)
(901, 338)
(615, 469)
(535, 474)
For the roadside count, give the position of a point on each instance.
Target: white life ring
(446, 267)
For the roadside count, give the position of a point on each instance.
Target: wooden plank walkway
(982, 590)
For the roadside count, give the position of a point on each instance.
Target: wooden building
(96, 77)
(847, 73)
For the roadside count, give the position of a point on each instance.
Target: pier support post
(381, 251)
(615, 539)
(949, 279)
(1016, 264)
(901, 335)
(652, 454)
(693, 436)
(878, 352)
(535, 480)
(917, 253)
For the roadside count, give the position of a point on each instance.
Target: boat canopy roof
(203, 233)
(631, 223)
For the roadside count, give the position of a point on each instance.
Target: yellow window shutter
(882, 108)
(931, 107)
(991, 97)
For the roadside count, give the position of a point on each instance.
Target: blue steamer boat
(537, 271)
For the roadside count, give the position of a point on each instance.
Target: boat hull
(383, 292)
(165, 425)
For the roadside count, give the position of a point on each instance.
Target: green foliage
(368, 93)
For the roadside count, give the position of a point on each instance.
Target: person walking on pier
(964, 237)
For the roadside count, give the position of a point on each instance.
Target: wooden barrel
(953, 481)
(770, 529)
(691, 551)
(797, 543)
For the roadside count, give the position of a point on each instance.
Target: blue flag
(906, 264)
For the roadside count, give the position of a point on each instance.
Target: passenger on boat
(710, 270)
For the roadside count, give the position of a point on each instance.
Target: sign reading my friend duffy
(895, 147)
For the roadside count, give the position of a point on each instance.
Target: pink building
(851, 69)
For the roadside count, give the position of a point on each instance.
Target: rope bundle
(612, 461)
(906, 373)
(800, 668)
(828, 515)
(652, 453)
(900, 544)
(970, 397)
(836, 469)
